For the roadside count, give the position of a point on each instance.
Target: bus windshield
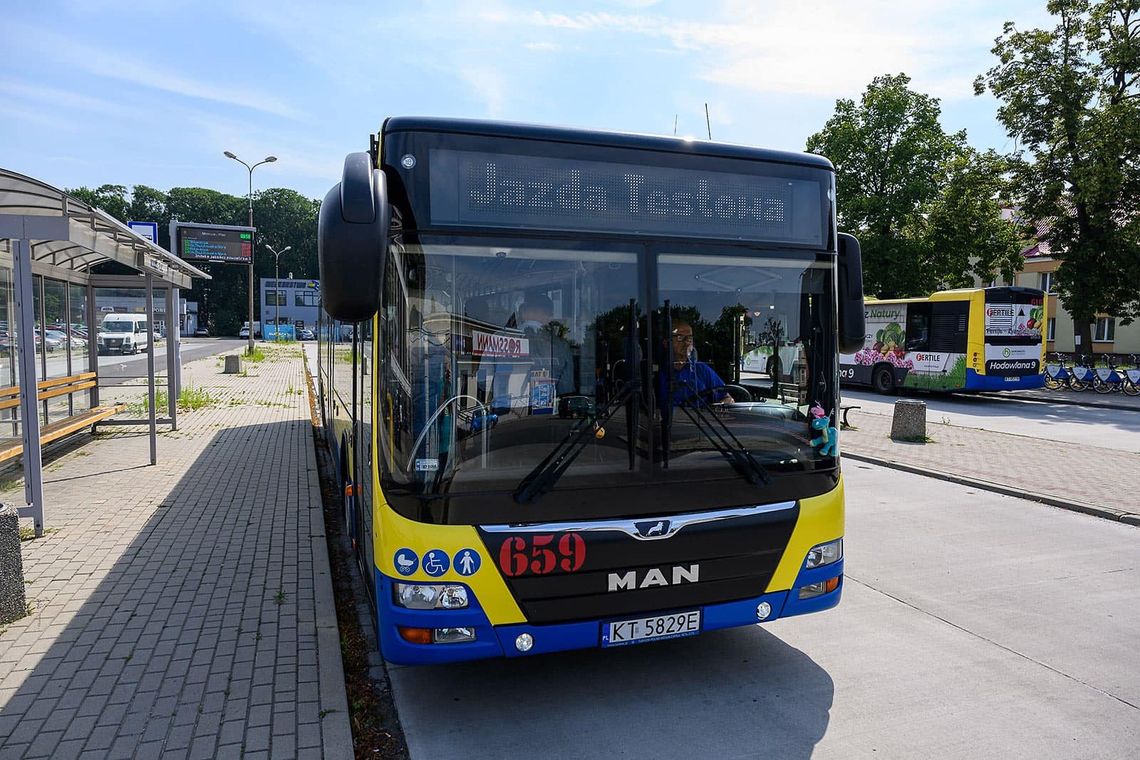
(545, 370)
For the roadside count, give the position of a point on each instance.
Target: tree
(963, 228)
(1069, 96)
(109, 198)
(890, 155)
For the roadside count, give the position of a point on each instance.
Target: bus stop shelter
(49, 243)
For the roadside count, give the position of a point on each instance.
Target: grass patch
(255, 354)
(28, 533)
(192, 399)
(189, 399)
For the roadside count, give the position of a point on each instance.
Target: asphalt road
(115, 369)
(972, 626)
(1107, 428)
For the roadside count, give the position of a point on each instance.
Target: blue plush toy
(828, 438)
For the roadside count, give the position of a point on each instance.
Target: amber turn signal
(415, 635)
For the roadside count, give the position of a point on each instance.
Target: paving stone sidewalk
(1069, 472)
(185, 609)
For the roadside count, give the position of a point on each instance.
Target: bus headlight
(430, 596)
(825, 554)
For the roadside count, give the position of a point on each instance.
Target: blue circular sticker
(406, 561)
(467, 562)
(436, 563)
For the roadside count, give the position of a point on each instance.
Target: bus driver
(690, 377)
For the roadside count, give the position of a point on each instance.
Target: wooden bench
(52, 388)
(843, 410)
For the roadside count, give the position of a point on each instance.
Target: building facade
(1108, 335)
(296, 302)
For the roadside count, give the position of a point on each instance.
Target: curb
(1067, 401)
(1107, 513)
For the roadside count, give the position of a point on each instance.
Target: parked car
(201, 332)
(576, 407)
(306, 334)
(243, 332)
(48, 341)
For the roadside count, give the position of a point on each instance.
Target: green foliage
(254, 355)
(964, 224)
(109, 198)
(283, 218)
(891, 156)
(1069, 96)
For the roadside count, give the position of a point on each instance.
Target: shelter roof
(68, 233)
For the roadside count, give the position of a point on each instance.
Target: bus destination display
(478, 188)
(234, 246)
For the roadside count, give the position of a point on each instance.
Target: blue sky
(110, 91)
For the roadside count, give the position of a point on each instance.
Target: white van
(123, 333)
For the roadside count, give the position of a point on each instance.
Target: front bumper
(499, 641)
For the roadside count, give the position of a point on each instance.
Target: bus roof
(661, 143)
(958, 294)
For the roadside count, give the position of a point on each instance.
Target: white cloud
(827, 48)
(110, 63)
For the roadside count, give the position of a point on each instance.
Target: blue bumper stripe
(976, 382)
(500, 641)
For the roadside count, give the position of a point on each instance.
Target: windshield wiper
(543, 477)
(723, 440)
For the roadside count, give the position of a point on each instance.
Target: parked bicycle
(1131, 377)
(1057, 375)
(1082, 374)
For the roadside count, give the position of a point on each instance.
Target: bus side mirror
(352, 240)
(852, 328)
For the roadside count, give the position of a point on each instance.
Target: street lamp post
(266, 160)
(277, 288)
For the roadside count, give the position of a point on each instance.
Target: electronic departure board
(208, 242)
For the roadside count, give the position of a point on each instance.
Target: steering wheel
(741, 393)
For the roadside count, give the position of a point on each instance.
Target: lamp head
(269, 159)
(227, 154)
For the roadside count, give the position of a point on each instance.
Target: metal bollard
(909, 423)
(13, 602)
(233, 365)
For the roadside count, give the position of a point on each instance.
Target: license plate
(655, 628)
(1012, 379)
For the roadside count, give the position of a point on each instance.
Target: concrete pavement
(1085, 478)
(185, 609)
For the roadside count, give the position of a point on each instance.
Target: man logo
(652, 528)
(653, 577)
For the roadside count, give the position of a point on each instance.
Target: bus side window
(918, 327)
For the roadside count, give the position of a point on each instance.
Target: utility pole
(276, 289)
(266, 160)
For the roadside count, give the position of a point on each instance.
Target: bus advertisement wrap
(927, 343)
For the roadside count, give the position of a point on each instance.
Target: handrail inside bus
(435, 415)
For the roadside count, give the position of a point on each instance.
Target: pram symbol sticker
(406, 561)
(436, 563)
(467, 562)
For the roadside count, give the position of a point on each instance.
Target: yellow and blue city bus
(531, 372)
(973, 339)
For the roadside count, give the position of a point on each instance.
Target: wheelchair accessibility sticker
(406, 561)
(436, 563)
(467, 562)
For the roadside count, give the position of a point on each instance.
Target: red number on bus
(519, 555)
(512, 556)
(572, 547)
(544, 556)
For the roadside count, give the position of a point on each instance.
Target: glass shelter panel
(57, 344)
(8, 358)
(80, 338)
